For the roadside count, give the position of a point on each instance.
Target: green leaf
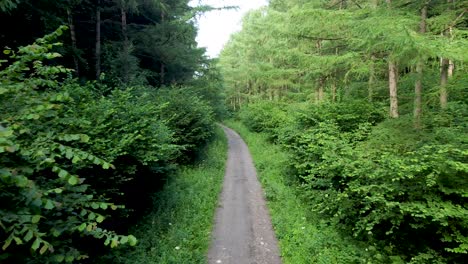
(59, 258)
(36, 244)
(63, 173)
(132, 240)
(100, 219)
(49, 205)
(82, 227)
(124, 240)
(7, 243)
(114, 243)
(28, 236)
(6, 52)
(43, 249)
(91, 216)
(73, 180)
(103, 206)
(18, 240)
(35, 219)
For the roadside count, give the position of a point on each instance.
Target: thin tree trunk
(319, 95)
(419, 71)
(451, 69)
(445, 73)
(333, 90)
(73, 41)
(98, 40)
(126, 44)
(393, 87)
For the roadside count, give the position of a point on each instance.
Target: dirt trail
(243, 233)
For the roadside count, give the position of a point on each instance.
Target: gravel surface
(243, 233)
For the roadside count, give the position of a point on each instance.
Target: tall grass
(178, 230)
(303, 235)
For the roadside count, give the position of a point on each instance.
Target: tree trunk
(419, 71)
(445, 72)
(319, 95)
(451, 69)
(333, 90)
(73, 41)
(98, 40)
(393, 87)
(126, 44)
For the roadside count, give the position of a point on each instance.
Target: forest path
(243, 233)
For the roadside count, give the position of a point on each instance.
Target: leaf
(49, 205)
(36, 244)
(7, 243)
(28, 236)
(18, 240)
(82, 227)
(114, 243)
(6, 52)
(124, 240)
(43, 249)
(132, 240)
(63, 173)
(91, 216)
(100, 219)
(59, 258)
(73, 180)
(103, 206)
(35, 219)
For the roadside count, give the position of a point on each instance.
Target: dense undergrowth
(80, 160)
(403, 191)
(178, 228)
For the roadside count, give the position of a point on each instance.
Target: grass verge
(303, 236)
(179, 228)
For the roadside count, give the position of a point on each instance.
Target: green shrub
(45, 202)
(191, 118)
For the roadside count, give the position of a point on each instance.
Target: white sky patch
(215, 27)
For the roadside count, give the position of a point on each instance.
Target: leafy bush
(75, 163)
(401, 189)
(186, 114)
(45, 202)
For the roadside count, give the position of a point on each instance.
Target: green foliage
(73, 156)
(178, 228)
(188, 116)
(397, 188)
(47, 201)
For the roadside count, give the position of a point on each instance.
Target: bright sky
(215, 27)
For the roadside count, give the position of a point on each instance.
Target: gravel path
(243, 233)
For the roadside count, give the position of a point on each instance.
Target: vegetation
(178, 230)
(367, 97)
(83, 150)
